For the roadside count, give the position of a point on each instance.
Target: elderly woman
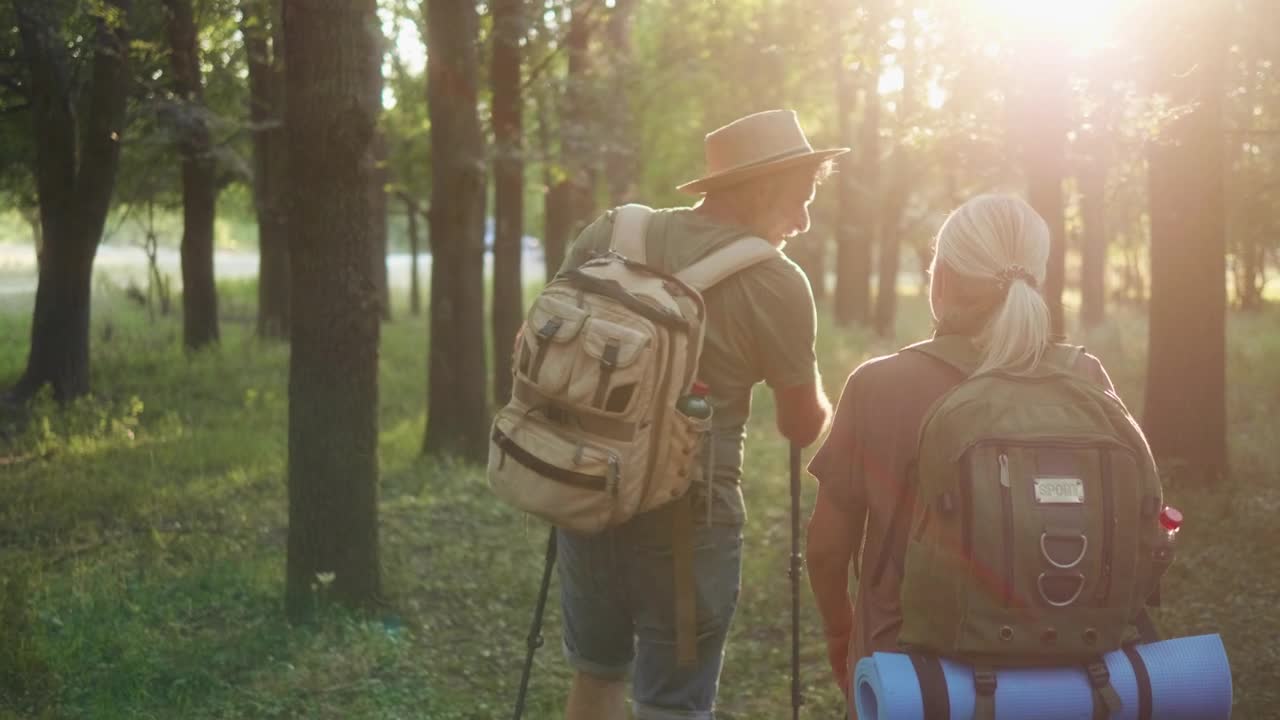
(990, 259)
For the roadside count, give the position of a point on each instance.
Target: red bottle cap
(700, 389)
(1170, 518)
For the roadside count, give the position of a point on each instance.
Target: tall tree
(856, 220)
(457, 414)
(263, 40)
(378, 176)
(412, 212)
(1185, 414)
(568, 201)
(1043, 129)
(76, 158)
(1092, 179)
(620, 149)
(199, 184)
(508, 192)
(333, 362)
(899, 186)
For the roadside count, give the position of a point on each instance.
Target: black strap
(1106, 701)
(547, 470)
(608, 363)
(1143, 679)
(544, 334)
(933, 686)
(534, 641)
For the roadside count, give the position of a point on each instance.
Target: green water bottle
(697, 403)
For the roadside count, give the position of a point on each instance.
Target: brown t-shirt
(862, 466)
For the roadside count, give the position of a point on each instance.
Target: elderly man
(617, 587)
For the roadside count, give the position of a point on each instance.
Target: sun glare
(1083, 25)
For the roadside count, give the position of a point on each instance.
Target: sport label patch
(1066, 490)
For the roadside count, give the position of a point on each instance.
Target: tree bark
(457, 413)
(856, 223)
(74, 189)
(508, 171)
(1185, 414)
(264, 49)
(333, 365)
(199, 186)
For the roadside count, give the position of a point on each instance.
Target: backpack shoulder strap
(733, 258)
(629, 225)
(956, 351)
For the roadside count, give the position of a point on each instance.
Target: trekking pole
(796, 568)
(534, 640)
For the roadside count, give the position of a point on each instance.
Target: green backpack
(1034, 536)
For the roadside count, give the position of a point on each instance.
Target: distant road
(119, 264)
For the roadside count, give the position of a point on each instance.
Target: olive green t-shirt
(760, 326)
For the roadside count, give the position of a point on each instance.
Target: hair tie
(1007, 276)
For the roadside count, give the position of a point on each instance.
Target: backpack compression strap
(629, 225)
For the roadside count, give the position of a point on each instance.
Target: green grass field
(142, 543)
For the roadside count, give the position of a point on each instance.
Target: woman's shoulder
(1089, 366)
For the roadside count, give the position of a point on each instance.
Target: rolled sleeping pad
(1188, 679)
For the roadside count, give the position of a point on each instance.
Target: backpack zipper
(1006, 506)
(1103, 596)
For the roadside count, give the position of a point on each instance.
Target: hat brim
(736, 175)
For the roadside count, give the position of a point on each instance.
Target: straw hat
(759, 144)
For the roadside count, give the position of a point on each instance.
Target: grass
(142, 543)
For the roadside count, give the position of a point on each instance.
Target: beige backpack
(591, 436)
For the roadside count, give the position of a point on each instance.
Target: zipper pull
(1004, 470)
(615, 474)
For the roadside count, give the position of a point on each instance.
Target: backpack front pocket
(611, 374)
(543, 472)
(549, 344)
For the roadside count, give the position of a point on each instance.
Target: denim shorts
(618, 605)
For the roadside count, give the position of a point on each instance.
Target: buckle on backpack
(984, 681)
(552, 327)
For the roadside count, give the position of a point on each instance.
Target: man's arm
(803, 412)
(834, 539)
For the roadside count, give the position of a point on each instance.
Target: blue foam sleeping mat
(1190, 679)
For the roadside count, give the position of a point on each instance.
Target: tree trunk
(580, 135)
(74, 192)
(508, 172)
(856, 223)
(199, 188)
(1043, 136)
(620, 151)
(1185, 413)
(333, 362)
(378, 175)
(264, 49)
(415, 294)
(1093, 247)
(899, 190)
(457, 414)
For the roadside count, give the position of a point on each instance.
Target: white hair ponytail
(1001, 240)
